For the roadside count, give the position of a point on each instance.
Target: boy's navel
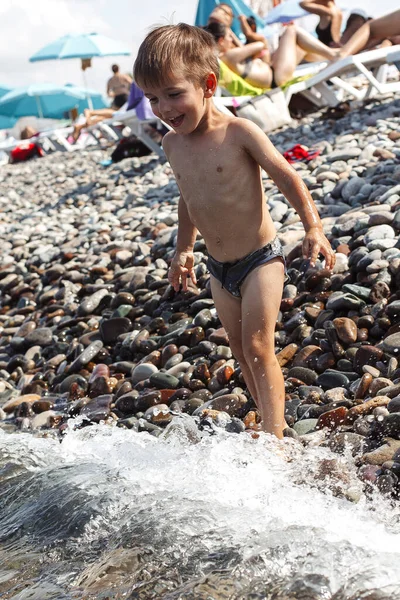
(219, 169)
(178, 175)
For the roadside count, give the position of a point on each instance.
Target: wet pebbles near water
(90, 327)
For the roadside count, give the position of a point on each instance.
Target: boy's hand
(316, 242)
(181, 268)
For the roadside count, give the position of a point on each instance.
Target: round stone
(143, 371)
(332, 379)
(346, 330)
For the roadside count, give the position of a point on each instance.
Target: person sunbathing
(91, 117)
(295, 45)
(330, 20)
(372, 33)
(223, 13)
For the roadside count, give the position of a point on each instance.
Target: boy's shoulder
(168, 141)
(239, 130)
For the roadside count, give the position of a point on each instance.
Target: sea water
(109, 513)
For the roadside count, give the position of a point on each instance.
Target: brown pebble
(384, 154)
(12, 404)
(251, 419)
(394, 136)
(343, 249)
(378, 384)
(363, 386)
(346, 329)
(168, 352)
(202, 372)
(43, 405)
(307, 356)
(332, 418)
(388, 451)
(366, 408)
(366, 355)
(286, 354)
(224, 374)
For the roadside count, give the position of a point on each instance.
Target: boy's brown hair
(170, 48)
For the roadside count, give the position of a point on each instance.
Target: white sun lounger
(111, 129)
(331, 84)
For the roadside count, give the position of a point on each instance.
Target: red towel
(25, 151)
(299, 152)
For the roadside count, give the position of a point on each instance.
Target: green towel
(237, 86)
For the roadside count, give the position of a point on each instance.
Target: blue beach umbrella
(239, 7)
(45, 100)
(6, 122)
(285, 12)
(92, 98)
(86, 45)
(4, 89)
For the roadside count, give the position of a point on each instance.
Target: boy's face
(179, 103)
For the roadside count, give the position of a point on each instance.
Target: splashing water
(109, 513)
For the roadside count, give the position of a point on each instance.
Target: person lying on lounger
(372, 33)
(295, 45)
(96, 115)
(223, 13)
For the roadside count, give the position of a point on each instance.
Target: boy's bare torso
(222, 189)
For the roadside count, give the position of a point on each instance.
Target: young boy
(216, 160)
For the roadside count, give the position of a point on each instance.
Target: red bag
(25, 151)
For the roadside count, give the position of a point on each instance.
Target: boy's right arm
(182, 265)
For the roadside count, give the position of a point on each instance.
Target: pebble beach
(94, 340)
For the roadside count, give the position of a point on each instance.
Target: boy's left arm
(257, 144)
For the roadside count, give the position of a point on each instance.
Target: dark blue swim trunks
(231, 275)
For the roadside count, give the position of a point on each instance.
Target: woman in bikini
(249, 62)
(330, 20)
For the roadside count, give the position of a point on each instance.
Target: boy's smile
(179, 102)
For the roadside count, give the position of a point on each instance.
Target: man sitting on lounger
(136, 100)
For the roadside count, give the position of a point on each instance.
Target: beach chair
(335, 82)
(112, 129)
(328, 84)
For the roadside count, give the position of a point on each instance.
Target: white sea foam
(227, 491)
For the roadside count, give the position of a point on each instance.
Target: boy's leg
(261, 298)
(230, 314)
